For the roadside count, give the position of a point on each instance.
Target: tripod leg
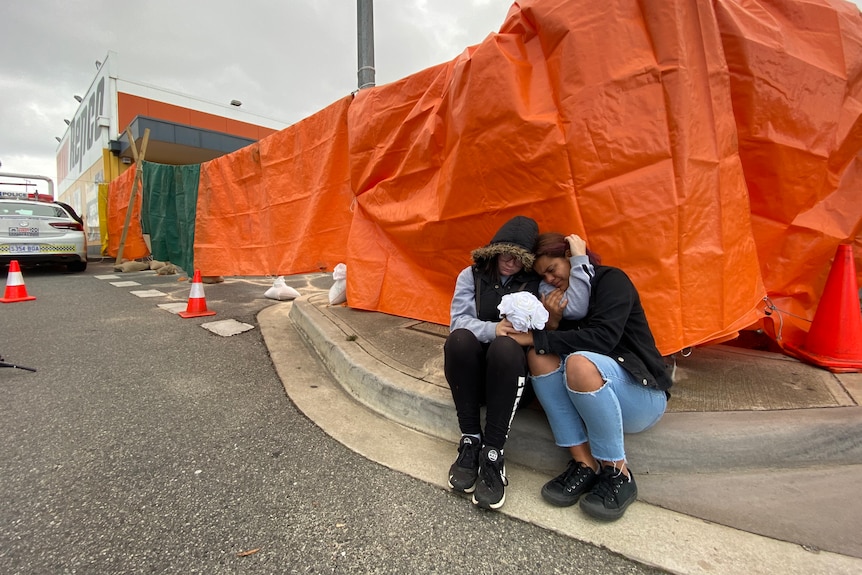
(4, 364)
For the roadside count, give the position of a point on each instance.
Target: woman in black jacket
(596, 378)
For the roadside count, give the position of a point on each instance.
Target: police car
(35, 229)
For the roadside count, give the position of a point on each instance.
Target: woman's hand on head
(577, 245)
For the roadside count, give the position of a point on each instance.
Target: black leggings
(491, 374)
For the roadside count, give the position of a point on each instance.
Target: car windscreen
(43, 210)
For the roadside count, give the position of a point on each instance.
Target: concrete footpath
(755, 468)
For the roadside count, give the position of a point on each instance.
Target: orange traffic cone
(835, 338)
(15, 288)
(197, 302)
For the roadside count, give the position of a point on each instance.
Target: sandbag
(338, 291)
(281, 291)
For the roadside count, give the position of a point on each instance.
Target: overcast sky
(283, 59)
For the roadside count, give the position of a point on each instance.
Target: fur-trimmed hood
(515, 237)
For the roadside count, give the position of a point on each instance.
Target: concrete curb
(682, 442)
(398, 396)
(647, 534)
(409, 402)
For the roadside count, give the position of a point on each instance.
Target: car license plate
(24, 249)
(19, 232)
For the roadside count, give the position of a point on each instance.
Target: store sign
(84, 131)
(87, 136)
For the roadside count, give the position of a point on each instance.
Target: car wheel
(76, 266)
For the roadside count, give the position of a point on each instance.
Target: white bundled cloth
(524, 310)
(281, 291)
(338, 291)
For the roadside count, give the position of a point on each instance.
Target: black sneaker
(463, 473)
(491, 488)
(611, 495)
(566, 488)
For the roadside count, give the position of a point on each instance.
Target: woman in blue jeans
(597, 378)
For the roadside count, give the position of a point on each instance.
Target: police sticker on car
(19, 232)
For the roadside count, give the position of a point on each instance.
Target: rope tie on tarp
(771, 307)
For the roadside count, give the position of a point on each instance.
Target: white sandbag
(281, 291)
(338, 291)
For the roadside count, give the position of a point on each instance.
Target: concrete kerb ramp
(676, 541)
(682, 442)
(742, 468)
(383, 388)
(399, 393)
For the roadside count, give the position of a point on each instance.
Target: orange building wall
(128, 107)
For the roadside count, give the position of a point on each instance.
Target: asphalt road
(144, 443)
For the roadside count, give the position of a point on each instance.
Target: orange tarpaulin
(119, 192)
(711, 149)
(660, 173)
(280, 206)
(617, 126)
(796, 96)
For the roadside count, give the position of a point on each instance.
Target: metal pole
(365, 37)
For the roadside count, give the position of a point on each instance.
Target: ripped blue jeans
(601, 417)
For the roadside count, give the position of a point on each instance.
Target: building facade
(96, 147)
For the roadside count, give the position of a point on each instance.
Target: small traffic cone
(835, 338)
(197, 302)
(15, 288)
